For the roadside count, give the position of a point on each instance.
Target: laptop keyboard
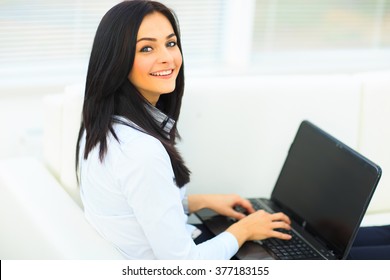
(293, 249)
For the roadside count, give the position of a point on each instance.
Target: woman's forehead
(155, 25)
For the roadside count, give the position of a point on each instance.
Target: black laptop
(324, 187)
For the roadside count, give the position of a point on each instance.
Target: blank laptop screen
(327, 184)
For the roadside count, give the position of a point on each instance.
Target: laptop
(324, 187)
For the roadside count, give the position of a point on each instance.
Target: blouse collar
(165, 122)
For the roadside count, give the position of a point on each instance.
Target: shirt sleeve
(149, 188)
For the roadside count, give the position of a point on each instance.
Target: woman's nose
(165, 56)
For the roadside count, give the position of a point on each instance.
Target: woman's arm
(221, 203)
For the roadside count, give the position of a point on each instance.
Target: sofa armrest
(39, 220)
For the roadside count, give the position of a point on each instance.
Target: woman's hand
(260, 225)
(257, 225)
(223, 204)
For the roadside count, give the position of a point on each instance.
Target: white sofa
(235, 135)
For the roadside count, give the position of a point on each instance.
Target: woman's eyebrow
(154, 39)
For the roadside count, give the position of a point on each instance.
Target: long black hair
(109, 92)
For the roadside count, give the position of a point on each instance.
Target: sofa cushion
(62, 116)
(71, 119)
(374, 135)
(52, 132)
(40, 221)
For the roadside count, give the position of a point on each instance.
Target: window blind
(57, 35)
(44, 32)
(321, 25)
(201, 24)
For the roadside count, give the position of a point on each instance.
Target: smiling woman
(157, 59)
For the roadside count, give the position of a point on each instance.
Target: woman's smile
(166, 74)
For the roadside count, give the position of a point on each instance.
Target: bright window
(322, 35)
(44, 40)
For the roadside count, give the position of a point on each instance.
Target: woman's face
(157, 58)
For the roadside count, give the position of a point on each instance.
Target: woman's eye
(146, 49)
(172, 44)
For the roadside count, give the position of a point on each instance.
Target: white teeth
(162, 73)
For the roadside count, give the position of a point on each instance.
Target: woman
(132, 178)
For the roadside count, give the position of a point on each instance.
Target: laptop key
(294, 248)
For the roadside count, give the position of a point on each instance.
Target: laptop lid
(326, 187)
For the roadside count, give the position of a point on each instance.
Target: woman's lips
(163, 73)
